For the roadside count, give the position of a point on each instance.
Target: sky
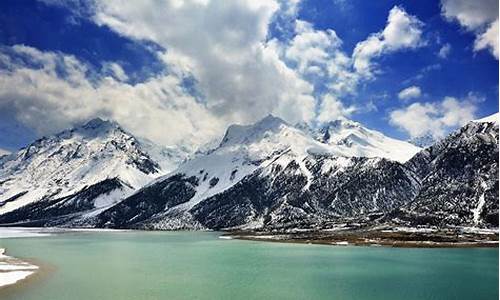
(178, 72)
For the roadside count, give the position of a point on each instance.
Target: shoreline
(14, 270)
(375, 238)
(384, 236)
(32, 281)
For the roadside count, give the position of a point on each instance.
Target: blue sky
(181, 71)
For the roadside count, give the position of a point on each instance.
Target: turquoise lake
(199, 265)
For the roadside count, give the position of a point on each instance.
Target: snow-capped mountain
(458, 179)
(352, 138)
(266, 155)
(98, 160)
(275, 176)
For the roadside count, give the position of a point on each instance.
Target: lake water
(199, 265)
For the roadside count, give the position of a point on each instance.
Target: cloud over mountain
(434, 118)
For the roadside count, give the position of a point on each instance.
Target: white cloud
(410, 93)
(436, 118)
(318, 57)
(311, 47)
(422, 73)
(48, 101)
(479, 17)
(318, 54)
(333, 109)
(222, 44)
(114, 70)
(444, 51)
(241, 74)
(470, 14)
(488, 39)
(403, 31)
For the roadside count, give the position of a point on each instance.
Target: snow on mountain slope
(167, 157)
(489, 119)
(245, 148)
(4, 152)
(458, 179)
(64, 164)
(352, 139)
(265, 148)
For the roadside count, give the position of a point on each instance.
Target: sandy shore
(13, 270)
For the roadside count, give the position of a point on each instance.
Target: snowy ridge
(272, 150)
(243, 150)
(246, 148)
(490, 119)
(63, 164)
(458, 179)
(352, 139)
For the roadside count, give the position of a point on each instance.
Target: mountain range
(269, 175)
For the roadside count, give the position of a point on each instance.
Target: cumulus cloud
(4, 152)
(479, 17)
(311, 48)
(410, 93)
(436, 118)
(317, 54)
(240, 73)
(403, 31)
(223, 46)
(333, 109)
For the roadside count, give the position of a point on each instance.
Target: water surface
(199, 265)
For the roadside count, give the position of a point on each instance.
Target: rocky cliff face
(459, 180)
(336, 189)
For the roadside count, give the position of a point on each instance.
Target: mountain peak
(342, 123)
(93, 128)
(242, 133)
(99, 124)
(271, 119)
